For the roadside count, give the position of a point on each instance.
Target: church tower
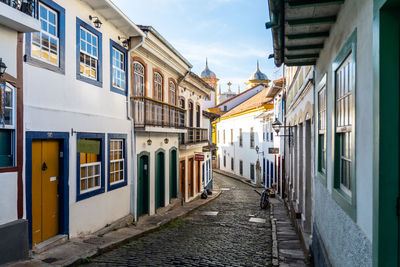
(209, 77)
(257, 78)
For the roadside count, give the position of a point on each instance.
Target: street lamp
(3, 67)
(277, 125)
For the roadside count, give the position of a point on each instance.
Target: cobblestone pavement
(225, 239)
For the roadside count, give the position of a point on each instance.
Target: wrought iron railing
(194, 135)
(28, 7)
(150, 112)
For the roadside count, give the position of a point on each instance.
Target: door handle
(44, 166)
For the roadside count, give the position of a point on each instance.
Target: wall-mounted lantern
(97, 23)
(125, 41)
(3, 67)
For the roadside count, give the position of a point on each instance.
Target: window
(117, 161)
(139, 80)
(90, 161)
(158, 86)
(45, 44)
(118, 68)
(172, 93)
(272, 136)
(190, 114)
(344, 110)
(231, 136)
(232, 164)
(218, 140)
(224, 136)
(225, 108)
(198, 115)
(7, 125)
(251, 137)
(47, 47)
(224, 161)
(89, 53)
(322, 130)
(241, 167)
(252, 171)
(240, 137)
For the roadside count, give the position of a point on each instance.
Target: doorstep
(78, 250)
(50, 243)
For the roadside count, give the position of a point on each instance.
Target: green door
(143, 185)
(160, 180)
(173, 183)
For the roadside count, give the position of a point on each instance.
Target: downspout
(132, 208)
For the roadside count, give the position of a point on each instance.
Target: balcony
(193, 136)
(19, 15)
(149, 114)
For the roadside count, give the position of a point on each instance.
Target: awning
(300, 28)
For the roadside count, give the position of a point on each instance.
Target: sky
(230, 33)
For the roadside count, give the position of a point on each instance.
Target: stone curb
(112, 245)
(275, 253)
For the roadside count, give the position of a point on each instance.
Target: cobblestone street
(203, 238)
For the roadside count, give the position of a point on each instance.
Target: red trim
(20, 123)
(9, 169)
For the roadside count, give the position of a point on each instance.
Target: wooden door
(173, 175)
(198, 176)
(45, 179)
(182, 179)
(190, 176)
(143, 186)
(160, 181)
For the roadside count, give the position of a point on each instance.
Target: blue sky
(230, 33)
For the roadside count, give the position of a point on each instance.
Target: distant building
(209, 77)
(257, 78)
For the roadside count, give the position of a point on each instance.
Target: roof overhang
(300, 28)
(113, 15)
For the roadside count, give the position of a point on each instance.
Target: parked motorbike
(264, 202)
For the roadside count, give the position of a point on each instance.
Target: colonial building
(158, 70)
(15, 20)
(354, 47)
(78, 138)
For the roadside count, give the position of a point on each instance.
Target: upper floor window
(46, 48)
(7, 125)
(139, 81)
(172, 93)
(251, 137)
(118, 68)
(89, 53)
(45, 44)
(158, 82)
(190, 114)
(224, 135)
(322, 130)
(117, 161)
(231, 136)
(198, 117)
(240, 137)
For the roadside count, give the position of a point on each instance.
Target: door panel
(45, 199)
(182, 182)
(143, 186)
(198, 176)
(160, 180)
(190, 176)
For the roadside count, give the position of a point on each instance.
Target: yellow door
(45, 179)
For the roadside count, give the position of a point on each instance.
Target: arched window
(172, 93)
(138, 76)
(182, 114)
(190, 114)
(158, 81)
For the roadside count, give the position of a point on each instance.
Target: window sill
(117, 185)
(119, 91)
(345, 202)
(88, 80)
(89, 194)
(322, 177)
(8, 169)
(41, 64)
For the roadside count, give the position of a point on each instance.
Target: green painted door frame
(143, 188)
(173, 173)
(386, 47)
(160, 179)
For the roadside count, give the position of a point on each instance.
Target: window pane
(52, 30)
(43, 25)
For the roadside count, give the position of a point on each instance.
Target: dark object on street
(209, 192)
(204, 195)
(264, 202)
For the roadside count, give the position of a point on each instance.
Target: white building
(14, 22)
(78, 135)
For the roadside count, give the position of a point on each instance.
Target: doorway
(182, 179)
(160, 179)
(190, 176)
(173, 183)
(143, 187)
(198, 171)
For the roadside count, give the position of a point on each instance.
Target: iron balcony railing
(150, 112)
(28, 7)
(193, 136)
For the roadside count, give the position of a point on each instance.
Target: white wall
(8, 197)
(8, 49)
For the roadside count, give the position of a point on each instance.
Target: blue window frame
(272, 173)
(118, 68)
(268, 183)
(90, 169)
(46, 49)
(88, 54)
(117, 161)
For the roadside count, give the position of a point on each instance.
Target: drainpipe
(132, 208)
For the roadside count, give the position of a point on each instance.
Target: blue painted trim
(268, 175)
(272, 173)
(99, 82)
(61, 35)
(125, 182)
(125, 52)
(63, 186)
(101, 190)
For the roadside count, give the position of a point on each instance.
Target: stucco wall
(8, 48)
(8, 197)
(349, 241)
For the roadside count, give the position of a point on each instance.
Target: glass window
(251, 137)
(88, 54)
(172, 93)
(117, 161)
(344, 113)
(241, 167)
(7, 125)
(90, 171)
(45, 44)
(138, 70)
(158, 94)
(240, 137)
(118, 69)
(322, 130)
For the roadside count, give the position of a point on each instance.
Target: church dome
(207, 73)
(258, 75)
